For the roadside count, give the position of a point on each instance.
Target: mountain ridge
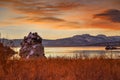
(76, 40)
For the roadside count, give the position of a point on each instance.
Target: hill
(77, 40)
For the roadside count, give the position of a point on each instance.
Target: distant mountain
(85, 40)
(77, 40)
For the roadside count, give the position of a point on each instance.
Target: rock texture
(31, 46)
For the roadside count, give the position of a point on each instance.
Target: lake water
(84, 52)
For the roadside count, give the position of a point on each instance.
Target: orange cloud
(39, 7)
(102, 24)
(69, 26)
(53, 12)
(46, 19)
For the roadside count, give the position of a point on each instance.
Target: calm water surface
(84, 52)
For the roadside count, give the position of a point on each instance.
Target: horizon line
(62, 38)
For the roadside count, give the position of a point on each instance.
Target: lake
(76, 52)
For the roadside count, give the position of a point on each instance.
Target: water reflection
(84, 52)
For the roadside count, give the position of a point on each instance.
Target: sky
(54, 19)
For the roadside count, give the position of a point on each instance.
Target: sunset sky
(54, 19)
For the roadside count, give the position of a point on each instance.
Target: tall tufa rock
(31, 46)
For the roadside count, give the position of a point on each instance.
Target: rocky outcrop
(31, 46)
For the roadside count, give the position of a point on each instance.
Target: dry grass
(57, 69)
(62, 69)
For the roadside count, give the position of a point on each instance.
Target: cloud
(46, 19)
(69, 26)
(39, 19)
(117, 3)
(39, 7)
(104, 25)
(111, 15)
(59, 12)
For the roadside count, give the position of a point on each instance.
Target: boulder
(31, 46)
